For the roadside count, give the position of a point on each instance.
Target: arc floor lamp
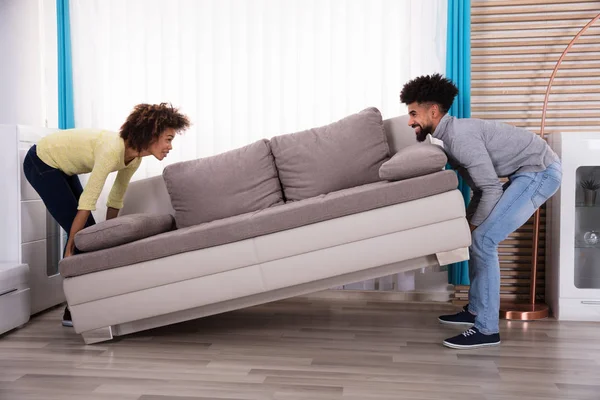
(532, 310)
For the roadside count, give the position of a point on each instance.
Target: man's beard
(423, 132)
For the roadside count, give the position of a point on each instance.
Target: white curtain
(243, 70)
(247, 69)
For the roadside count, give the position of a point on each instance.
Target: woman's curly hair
(147, 121)
(430, 89)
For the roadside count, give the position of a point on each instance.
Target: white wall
(28, 63)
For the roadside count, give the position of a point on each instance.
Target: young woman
(52, 166)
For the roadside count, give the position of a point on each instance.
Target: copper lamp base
(523, 311)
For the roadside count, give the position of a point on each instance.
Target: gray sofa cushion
(341, 155)
(413, 161)
(271, 220)
(121, 230)
(221, 186)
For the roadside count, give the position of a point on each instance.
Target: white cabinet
(572, 253)
(15, 299)
(29, 235)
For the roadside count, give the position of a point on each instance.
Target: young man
(482, 152)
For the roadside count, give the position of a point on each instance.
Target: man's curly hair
(147, 121)
(430, 89)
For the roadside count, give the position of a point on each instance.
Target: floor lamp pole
(532, 310)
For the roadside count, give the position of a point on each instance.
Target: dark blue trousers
(59, 191)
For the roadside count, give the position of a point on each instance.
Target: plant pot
(589, 197)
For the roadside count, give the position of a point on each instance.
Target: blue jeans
(524, 193)
(59, 192)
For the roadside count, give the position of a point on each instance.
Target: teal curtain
(458, 69)
(66, 112)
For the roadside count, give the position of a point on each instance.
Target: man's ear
(435, 109)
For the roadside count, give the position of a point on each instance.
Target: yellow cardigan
(81, 151)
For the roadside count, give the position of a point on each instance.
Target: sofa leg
(97, 335)
(453, 256)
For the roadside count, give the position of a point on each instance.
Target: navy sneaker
(472, 339)
(462, 318)
(66, 320)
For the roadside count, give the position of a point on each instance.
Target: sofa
(298, 213)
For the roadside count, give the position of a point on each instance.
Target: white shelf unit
(573, 266)
(29, 235)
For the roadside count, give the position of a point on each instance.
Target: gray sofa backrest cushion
(412, 161)
(337, 156)
(224, 185)
(122, 230)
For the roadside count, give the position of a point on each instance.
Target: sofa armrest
(122, 230)
(413, 161)
(399, 134)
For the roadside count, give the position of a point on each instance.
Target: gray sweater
(483, 151)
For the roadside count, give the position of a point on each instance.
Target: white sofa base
(101, 319)
(107, 333)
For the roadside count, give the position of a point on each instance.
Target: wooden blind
(514, 48)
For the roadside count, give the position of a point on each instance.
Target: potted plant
(589, 186)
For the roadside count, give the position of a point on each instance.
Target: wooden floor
(303, 349)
